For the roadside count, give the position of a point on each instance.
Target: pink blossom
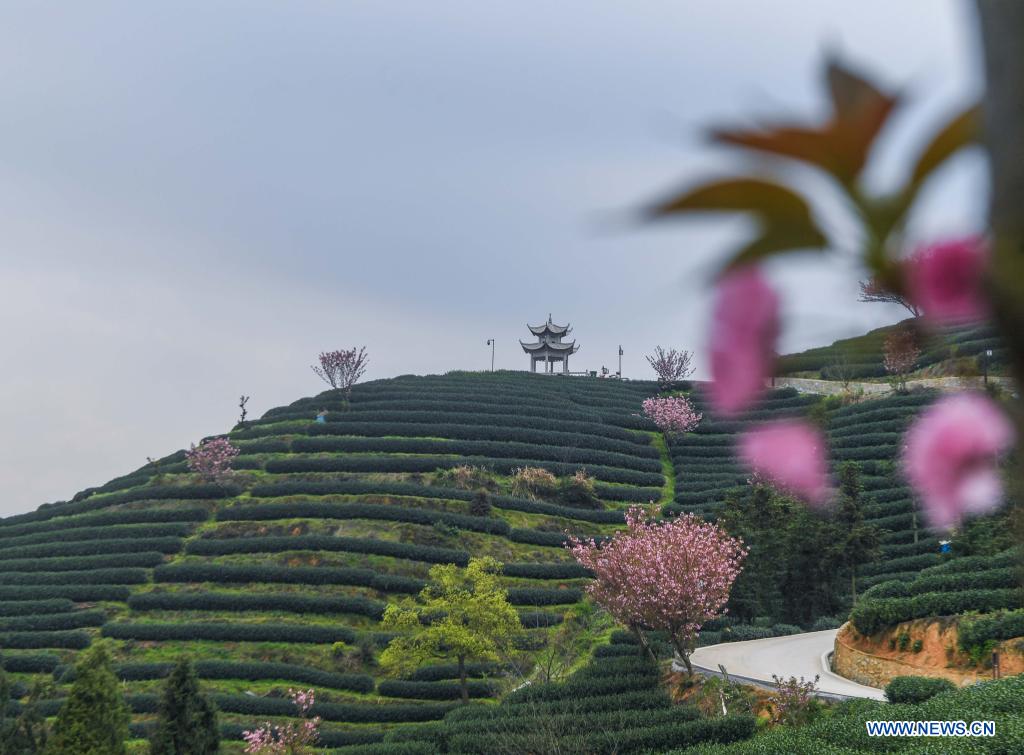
(211, 459)
(672, 575)
(951, 457)
(290, 738)
(946, 280)
(674, 414)
(791, 454)
(745, 327)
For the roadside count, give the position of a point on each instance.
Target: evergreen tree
(856, 542)
(94, 718)
(187, 723)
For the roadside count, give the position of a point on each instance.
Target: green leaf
(783, 217)
(960, 131)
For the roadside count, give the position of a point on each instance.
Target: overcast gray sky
(198, 197)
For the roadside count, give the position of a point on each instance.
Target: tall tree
(94, 718)
(187, 720)
(670, 576)
(856, 542)
(462, 614)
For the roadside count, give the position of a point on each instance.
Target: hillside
(956, 351)
(279, 577)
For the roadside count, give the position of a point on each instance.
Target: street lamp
(988, 355)
(620, 362)
(490, 342)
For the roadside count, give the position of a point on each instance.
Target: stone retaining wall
(835, 388)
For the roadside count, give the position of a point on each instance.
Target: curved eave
(549, 329)
(557, 348)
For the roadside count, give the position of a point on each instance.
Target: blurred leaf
(783, 217)
(962, 130)
(780, 239)
(842, 145)
(738, 195)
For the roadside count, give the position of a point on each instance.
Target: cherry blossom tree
(900, 355)
(211, 459)
(674, 414)
(342, 369)
(672, 576)
(286, 739)
(671, 366)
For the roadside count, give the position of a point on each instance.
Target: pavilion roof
(569, 347)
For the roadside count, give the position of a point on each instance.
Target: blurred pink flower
(745, 326)
(951, 457)
(946, 280)
(791, 454)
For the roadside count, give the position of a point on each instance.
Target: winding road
(806, 655)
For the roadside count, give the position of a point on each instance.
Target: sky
(196, 198)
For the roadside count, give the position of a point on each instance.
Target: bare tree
(873, 291)
(840, 369)
(241, 405)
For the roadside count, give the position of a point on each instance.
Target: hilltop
(279, 576)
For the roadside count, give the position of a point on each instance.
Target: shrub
(74, 640)
(825, 622)
(533, 482)
(536, 537)
(480, 505)
(433, 690)
(579, 491)
(104, 547)
(305, 575)
(248, 601)
(543, 596)
(230, 632)
(427, 553)
(561, 570)
(64, 578)
(53, 621)
(915, 689)
(72, 592)
(975, 632)
(464, 477)
(325, 509)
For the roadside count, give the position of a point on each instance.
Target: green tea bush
(975, 632)
(83, 563)
(426, 553)
(248, 601)
(35, 607)
(74, 640)
(53, 621)
(562, 570)
(221, 632)
(65, 578)
(330, 510)
(433, 690)
(543, 596)
(79, 593)
(157, 545)
(303, 575)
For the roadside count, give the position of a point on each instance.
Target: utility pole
(620, 361)
(985, 360)
(490, 342)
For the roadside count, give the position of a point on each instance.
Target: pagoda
(549, 347)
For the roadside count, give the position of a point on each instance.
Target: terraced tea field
(279, 577)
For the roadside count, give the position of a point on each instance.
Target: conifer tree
(94, 718)
(187, 723)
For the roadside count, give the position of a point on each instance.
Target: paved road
(796, 655)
